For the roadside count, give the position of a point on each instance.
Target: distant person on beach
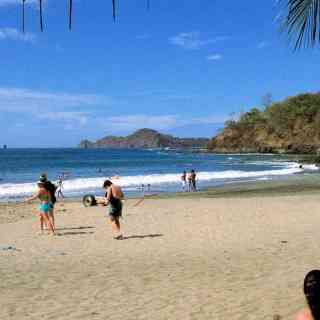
(114, 196)
(45, 200)
(189, 180)
(311, 289)
(60, 187)
(52, 189)
(184, 180)
(193, 181)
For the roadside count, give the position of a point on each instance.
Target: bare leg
(51, 217)
(115, 225)
(41, 222)
(48, 222)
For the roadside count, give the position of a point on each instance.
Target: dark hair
(311, 289)
(107, 183)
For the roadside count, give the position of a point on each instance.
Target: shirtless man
(113, 198)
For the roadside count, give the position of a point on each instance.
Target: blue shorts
(44, 208)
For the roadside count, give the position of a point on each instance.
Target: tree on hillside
(301, 21)
(266, 100)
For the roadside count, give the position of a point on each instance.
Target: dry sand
(235, 258)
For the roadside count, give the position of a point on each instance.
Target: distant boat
(5, 146)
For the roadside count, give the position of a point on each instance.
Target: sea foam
(82, 185)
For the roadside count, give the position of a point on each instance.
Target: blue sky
(180, 68)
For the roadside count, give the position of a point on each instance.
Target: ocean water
(86, 169)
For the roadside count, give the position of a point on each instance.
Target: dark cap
(43, 179)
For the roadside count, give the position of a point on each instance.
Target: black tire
(89, 200)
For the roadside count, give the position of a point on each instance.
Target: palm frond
(70, 13)
(23, 15)
(302, 21)
(114, 10)
(41, 15)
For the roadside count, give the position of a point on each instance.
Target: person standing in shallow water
(114, 197)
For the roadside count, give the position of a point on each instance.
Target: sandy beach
(182, 258)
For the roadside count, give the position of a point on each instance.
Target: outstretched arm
(108, 196)
(35, 196)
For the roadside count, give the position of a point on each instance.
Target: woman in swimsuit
(45, 201)
(114, 195)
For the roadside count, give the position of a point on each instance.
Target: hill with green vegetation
(291, 126)
(146, 139)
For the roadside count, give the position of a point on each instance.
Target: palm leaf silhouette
(70, 13)
(301, 22)
(23, 15)
(41, 15)
(114, 13)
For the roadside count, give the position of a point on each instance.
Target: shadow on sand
(76, 228)
(143, 236)
(70, 233)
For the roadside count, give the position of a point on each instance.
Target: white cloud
(71, 110)
(16, 35)
(214, 57)
(20, 99)
(134, 122)
(86, 111)
(56, 107)
(208, 120)
(143, 36)
(69, 117)
(263, 44)
(162, 122)
(193, 40)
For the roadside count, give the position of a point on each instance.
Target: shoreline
(307, 184)
(296, 184)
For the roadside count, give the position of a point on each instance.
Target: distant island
(291, 126)
(146, 139)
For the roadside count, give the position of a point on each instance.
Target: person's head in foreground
(311, 289)
(40, 184)
(107, 184)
